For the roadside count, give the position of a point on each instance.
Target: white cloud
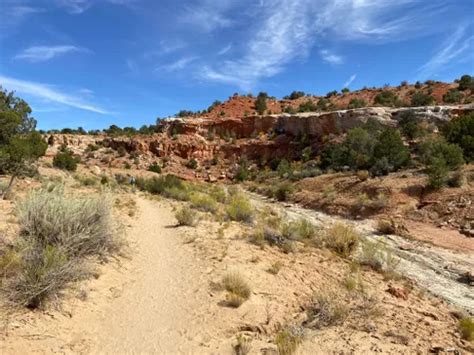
(350, 80)
(209, 15)
(13, 13)
(225, 49)
(330, 57)
(79, 6)
(48, 93)
(282, 36)
(43, 53)
(177, 65)
(451, 49)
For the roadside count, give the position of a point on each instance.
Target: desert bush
(86, 180)
(45, 271)
(282, 191)
(437, 172)
(421, 99)
(387, 98)
(158, 184)
(275, 267)
(288, 340)
(218, 193)
(176, 193)
(155, 168)
(363, 175)
(342, 239)
(192, 164)
(457, 179)
(390, 147)
(466, 327)
(243, 346)
(80, 226)
(356, 103)
(238, 289)
(377, 256)
(10, 262)
(385, 226)
(185, 217)
(410, 126)
(203, 202)
(453, 96)
(65, 160)
(240, 209)
(466, 82)
(325, 310)
(307, 106)
(298, 230)
(460, 131)
(261, 103)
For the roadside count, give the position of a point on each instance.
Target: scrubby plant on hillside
(154, 167)
(240, 209)
(390, 148)
(410, 125)
(295, 95)
(57, 234)
(342, 239)
(238, 289)
(261, 103)
(466, 82)
(460, 131)
(439, 158)
(307, 106)
(185, 217)
(421, 99)
(20, 144)
(65, 160)
(356, 103)
(388, 98)
(453, 96)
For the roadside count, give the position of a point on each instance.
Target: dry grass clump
(342, 239)
(325, 311)
(57, 234)
(377, 256)
(243, 346)
(186, 217)
(240, 209)
(466, 327)
(299, 230)
(81, 226)
(86, 180)
(181, 193)
(288, 340)
(203, 202)
(275, 267)
(238, 289)
(385, 226)
(363, 175)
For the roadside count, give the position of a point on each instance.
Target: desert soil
(162, 298)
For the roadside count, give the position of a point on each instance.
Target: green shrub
(186, 217)
(466, 326)
(437, 171)
(157, 185)
(342, 239)
(356, 103)
(466, 82)
(203, 202)
(154, 168)
(421, 99)
(390, 148)
(460, 131)
(192, 164)
(410, 126)
(284, 168)
(240, 209)
(66, 161)
(299, 230)
(238, 289)
(439, 149)
(387, 98)
(261, 103)
(282, 191)
(307, 106)
(177, 193)
(453, 96)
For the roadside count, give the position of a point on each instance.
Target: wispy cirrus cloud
(44, 53)
(458, 43)
(286, 30)
(225, 49)
(350, 80)
(330, 57)
(14, 12)
(48, 93)
(176, 65)
(209, 15)
(76, 7)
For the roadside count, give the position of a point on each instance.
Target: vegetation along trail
(438, 270)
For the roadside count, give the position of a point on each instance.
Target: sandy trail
(157, 310)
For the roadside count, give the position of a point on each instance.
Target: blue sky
(93, 63)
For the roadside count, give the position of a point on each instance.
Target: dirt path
(154, 303)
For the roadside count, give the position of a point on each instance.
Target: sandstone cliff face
(258, 138)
